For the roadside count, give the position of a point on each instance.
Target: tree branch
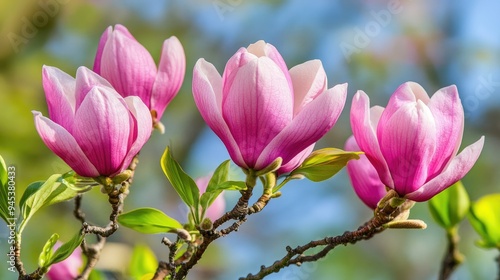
(17, 256)
(93, 253)
(390, 208)
(295, 256)
(116, 196)
(238, 213)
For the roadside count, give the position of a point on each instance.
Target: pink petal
(100, 48)
(448, 114)
(86, 79)
(59, 90)
(408, 92)
(202, 183)
(363, 123)
(262, 48)
(141, 128)
(104, 39)
(63, 144)
(296, 161)
(170, 75)
(102, 129)
(408, 143)
(207, 93)
(218, 207)
(364, 177)
(309, 80)
(456, 170)
(128, 66)
(257, 106)
(239, 59)
(314, 121)
(68, 268)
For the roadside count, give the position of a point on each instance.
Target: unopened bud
(206, 224)
(183, 234)
(159, 126)
(122, 176)
(276, 195)
(103, 180)
(166, 241)
(396, 201)
(297, 176)
(273, 166)
(407, 224)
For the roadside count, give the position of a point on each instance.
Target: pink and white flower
(261, 110)
(130, 68)
(90, 126)
(413, 142)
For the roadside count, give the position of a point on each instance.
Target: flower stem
(453, 258)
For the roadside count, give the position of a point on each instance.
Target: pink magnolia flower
(413, 143)
(262, 111)
(91, 127)
(129, 67)
(68, 268)
(364, 177)
(218, 207)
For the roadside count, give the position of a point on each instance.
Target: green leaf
(67, 248)
(484, 217)
(232, 186)
(209, 197)
(182, 183)
(98, 275)
(450, 206)
(3, 171)
(149, 220)
(218, 183)
(4, 197)
(143, 261)
(324, 163)
(47, 252)
(221, 175)
(39, 194)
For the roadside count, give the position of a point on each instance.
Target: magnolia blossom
(90, 126)
(364, 177)
(218, 207)
(262, 111)
(68, 268)
(129, 67)
(413, 142)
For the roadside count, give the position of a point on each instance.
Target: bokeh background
(373, 45)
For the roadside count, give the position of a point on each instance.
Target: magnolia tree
(269, 117)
